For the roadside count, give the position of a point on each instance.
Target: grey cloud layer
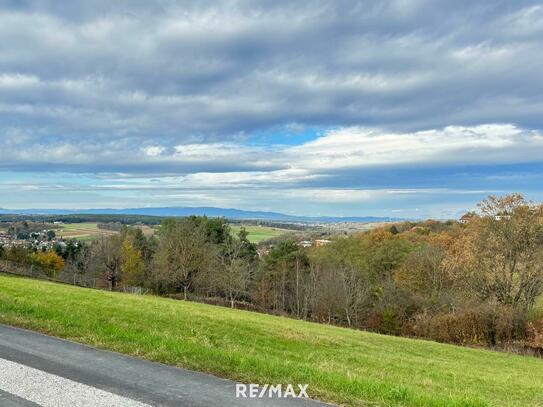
(184, 72)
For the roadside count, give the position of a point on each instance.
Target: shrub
(482, 325)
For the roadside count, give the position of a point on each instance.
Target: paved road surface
(38, 370)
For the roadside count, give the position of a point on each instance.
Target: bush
(483, 325)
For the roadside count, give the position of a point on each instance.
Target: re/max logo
(255, 391)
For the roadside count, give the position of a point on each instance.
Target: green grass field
(340, 365)
(258, 234)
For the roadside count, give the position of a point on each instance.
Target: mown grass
(258, 234)
(341, 365)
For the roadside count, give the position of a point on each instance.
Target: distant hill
(201, 211)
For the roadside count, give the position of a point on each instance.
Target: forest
(474, 282)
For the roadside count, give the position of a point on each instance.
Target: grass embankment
(258, 234)
(340, 365)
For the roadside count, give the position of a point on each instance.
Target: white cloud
(9, 80)
(153, 151)
(341, 149)
(359, 147)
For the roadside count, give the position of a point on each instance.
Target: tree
(247, 250)
(18, 254)
(347, 273)
(216, 230)
(146, 246)
(183, 253)
(50, 262)
(132, 264)
(79, 262)
(282, 272)
(502, 251)
(107, 258)
(422, 271)
(236, 258)
(232, 278)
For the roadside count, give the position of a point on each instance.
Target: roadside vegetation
(340, 365)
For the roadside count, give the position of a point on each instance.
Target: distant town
(26, 235)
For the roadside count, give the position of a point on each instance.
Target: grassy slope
(258, 234)
(341, 365)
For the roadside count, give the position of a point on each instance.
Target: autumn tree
(50, 262)
(503, 251)
(422, 272)
(132, 264)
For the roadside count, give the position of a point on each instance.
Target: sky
(404, 108)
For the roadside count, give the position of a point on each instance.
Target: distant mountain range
(208, 211)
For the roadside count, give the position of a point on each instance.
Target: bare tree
(107, 258)
(183, 252)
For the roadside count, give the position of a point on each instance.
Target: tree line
(477, 282)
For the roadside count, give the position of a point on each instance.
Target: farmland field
(258, 234)
(340, 365)
(82, 231)
(89, 231)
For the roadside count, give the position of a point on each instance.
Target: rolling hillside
(340, 365)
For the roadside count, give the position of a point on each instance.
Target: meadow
(340, 365)
(258, 234)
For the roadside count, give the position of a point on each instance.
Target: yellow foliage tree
(132, 265)
(50, 262)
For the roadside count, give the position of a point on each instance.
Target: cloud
(208, 71)
(153, 151)
(359, 147)
(401, 95)
(349, 148)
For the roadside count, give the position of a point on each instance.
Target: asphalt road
(38, 370)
